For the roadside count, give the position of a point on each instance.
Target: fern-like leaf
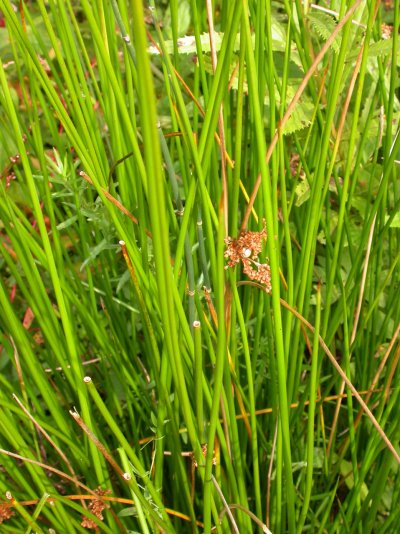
(324, 25)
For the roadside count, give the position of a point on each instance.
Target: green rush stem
(159, 223)
(315, 205)
(210, 217)
(238, 147)
(113, 426)
(221, 361)
(63, 305)
(348, 169)
(350, 416)
(198, 378)
(274, 262)
(387, 171)
(251, 399)
(139, 509)
(313, 385)
(180, 210)
(142, 305)
(202, 251)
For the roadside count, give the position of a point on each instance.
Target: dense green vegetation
(199, 326)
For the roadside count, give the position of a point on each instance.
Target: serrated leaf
(324, 25)
(380, 48)
(95, 251)
(62, 194)
(187, 44)
(300, 118)
(67, 223)
(303, 112)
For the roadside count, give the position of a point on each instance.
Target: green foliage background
(138, 373)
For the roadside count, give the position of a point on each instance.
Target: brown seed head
(246, 249)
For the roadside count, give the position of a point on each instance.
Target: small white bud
(246, 252)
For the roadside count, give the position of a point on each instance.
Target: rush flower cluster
(5, 511)
(96, 506)
(245, 249)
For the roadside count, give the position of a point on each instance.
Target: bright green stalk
(274, 261)
(237, 473)
(348, 170)
(208, 211)
(219, 84)
(139, 509)
(252, 405)
(156, 360)
(306, 261)
(88, 105)
(29, 521)
(387, 171)
(158, 218)
(311, 417)
(180, 211)
(352, 433)
(234, 192)
(62, 304)
(283, 172)
(197, 33)
(394, 77)
(39, 507)
(280, 519)
(218, 372)
(127, 448)
(202, 251)
(198, 378)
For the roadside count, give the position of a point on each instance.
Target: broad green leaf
(302, 192)
(184, 18)
(346, 469)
